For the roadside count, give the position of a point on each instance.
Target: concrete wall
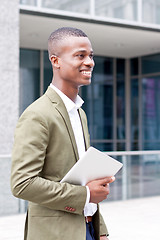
(9, 72)
(9, 97)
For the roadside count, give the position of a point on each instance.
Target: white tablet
(94, 164)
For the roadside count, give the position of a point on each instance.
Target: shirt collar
(70, 105)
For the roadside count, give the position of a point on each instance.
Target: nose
(89, 61)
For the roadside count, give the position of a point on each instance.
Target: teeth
(87, 73)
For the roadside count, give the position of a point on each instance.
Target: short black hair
(60, 34)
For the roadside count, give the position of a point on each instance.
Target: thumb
(106, 180)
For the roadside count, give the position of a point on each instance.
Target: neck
(70, 92)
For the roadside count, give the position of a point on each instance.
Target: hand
(103, 238)
(99, 189)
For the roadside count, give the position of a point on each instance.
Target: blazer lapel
(55, 98)
(85, 130)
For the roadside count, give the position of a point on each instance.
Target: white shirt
(90, 208)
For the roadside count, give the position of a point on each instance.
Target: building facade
(123, 101)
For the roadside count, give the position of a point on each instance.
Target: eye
(81, 56)
(91, 56)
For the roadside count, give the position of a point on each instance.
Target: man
(50, 137)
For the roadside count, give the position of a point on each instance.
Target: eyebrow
(82, 50)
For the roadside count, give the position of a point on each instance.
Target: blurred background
(123, 101)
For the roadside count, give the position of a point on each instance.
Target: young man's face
(76, 61)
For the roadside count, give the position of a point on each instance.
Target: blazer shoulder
(46, 103)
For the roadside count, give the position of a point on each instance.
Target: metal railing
(140, 168)
(139, 177)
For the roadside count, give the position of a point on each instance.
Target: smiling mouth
(87, 73)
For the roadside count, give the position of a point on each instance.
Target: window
(100, 102)
(151, 113)
(82, 6)
(134, 115)
(151, 64)
(29, 77)
(47, 71)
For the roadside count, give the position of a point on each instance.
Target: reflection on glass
(134, 66)
(137, 177)
(28, 2)
(151, 11)
(103, 69)
(82, 6)
(29, 77)
(151, 63)
(120, 146)
(102, 108)
(102, 86)
(134, 114)
(98, 104)
(151, 113)
(120, 75)
(120, 109)
(47, 71)
(120, 69)
(122, 9)
(103, 146)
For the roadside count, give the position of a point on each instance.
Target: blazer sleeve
(28, 160)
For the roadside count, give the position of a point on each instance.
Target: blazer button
(70, 209)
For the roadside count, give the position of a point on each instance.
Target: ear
(55, 61)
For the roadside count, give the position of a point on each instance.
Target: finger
(112, 179)
(106, 180)
(106, 185)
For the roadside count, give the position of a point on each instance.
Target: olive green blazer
(44, 151)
